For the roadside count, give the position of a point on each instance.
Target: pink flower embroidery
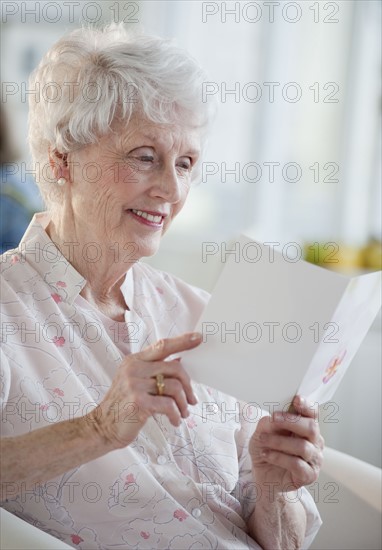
(160, 290)
(59, 341)
(15, 259)
(180, 514)
(57, 298)
(250, 410)
(44, 406)
(191, 423)
(59, 392)
(76, 539)
(129, 479)
(145, 535)
(62, 284)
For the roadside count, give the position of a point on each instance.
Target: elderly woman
(105, 442)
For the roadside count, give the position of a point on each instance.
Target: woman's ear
(59, 164)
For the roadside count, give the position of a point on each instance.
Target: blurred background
(294, 154)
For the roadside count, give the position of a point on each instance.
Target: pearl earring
(61, 181)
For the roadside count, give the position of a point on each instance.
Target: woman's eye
(141, 162)
(146, 158)
(185, 164)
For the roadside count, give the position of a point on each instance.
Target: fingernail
(301, 401)
(195, 336)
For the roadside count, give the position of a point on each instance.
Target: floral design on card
(332, 368)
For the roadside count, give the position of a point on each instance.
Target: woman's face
(126, 189)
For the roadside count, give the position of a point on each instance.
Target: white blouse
(174, 487)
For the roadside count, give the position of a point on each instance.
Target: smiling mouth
(156, 219)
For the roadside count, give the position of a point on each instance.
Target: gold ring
(160, 384)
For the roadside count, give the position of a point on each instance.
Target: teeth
(146, 216)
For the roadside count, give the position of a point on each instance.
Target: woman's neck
(113, 307)
(104, 276)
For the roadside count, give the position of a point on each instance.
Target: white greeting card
(275, 327)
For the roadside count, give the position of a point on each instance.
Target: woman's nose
(167, 185)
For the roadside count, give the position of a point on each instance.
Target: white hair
(93, 77)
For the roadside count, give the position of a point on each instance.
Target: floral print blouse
(174, 487)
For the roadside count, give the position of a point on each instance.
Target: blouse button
(161, 459)
(196, 512)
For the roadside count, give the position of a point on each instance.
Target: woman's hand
(47, 452)
(286, 449)
(133, 395)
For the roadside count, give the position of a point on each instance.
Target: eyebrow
(154, 139)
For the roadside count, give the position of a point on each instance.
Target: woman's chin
(136, 248)
(149, 251)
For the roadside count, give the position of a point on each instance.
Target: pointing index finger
(167, 346)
